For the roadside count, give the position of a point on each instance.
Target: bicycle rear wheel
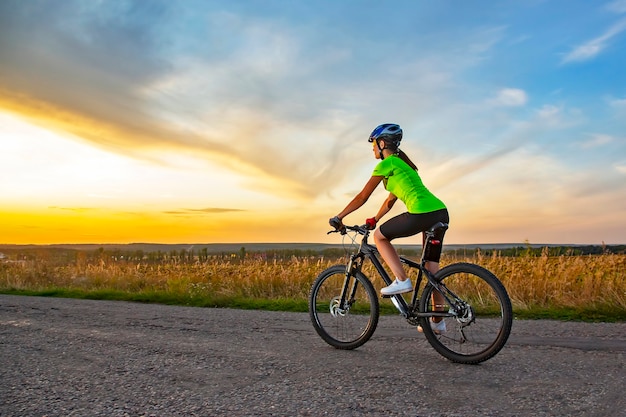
(482, 314)
(346, 326)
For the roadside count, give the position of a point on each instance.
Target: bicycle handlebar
(362, 230)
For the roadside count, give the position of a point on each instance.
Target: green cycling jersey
(405, 183)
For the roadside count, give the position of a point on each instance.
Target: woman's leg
(389, 255)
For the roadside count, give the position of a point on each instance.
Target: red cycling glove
(371, 223)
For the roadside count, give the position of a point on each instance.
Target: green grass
(607, 314)
(159, 297)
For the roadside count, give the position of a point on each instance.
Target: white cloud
(621, 168)
(618, 103)
(597, 139)
(618, 6)
(511, 97)
(549, 112)
(592, 48)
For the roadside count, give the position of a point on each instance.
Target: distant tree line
(543, 251)
(64, 256)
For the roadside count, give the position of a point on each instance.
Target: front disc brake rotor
(335, 308)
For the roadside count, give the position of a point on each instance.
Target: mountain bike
(344, 306)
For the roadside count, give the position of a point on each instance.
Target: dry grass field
(584, 286)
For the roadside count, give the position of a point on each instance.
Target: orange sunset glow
(210, 123)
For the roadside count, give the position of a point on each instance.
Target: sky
(245, 121)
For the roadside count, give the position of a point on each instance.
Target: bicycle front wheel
(479, 319)
(344, 309)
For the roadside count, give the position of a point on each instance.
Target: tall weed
(533, 282)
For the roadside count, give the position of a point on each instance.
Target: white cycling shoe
(397, 287)
(438, 328)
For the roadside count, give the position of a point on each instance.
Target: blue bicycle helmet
(390, 133)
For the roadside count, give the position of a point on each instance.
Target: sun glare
(58, 189)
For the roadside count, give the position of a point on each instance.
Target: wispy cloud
(74, 209)
(594, 47)
(112, 77)
(238, 89)
(209, 210)
(80, 67)
(618, 103)
(597, 140)
(618, 6)
(511, 97)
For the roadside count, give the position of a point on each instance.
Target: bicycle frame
(408, 311)
(476, 324)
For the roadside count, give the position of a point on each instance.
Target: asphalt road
(63, 357)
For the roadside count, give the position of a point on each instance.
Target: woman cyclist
(399, 176)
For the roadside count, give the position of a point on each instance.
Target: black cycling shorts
(407, 224)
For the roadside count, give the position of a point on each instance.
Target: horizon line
(306, 243)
